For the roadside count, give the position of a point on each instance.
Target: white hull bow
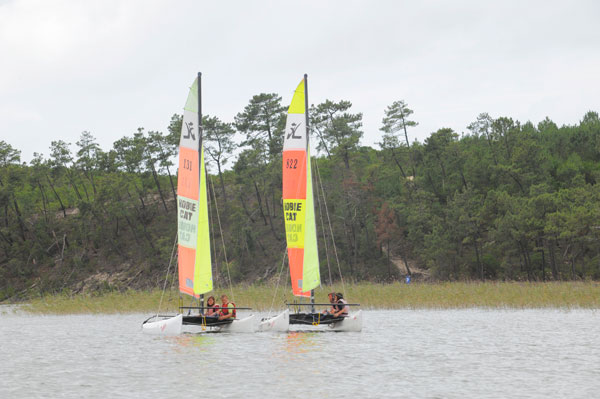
(279, 323)
(170, 326)
(352, 323)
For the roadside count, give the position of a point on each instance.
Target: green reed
(371, 296)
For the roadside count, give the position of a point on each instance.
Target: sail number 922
(291, 163)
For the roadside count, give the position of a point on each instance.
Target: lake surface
(471, 353)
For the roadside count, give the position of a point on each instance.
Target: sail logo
(190, 131)
(293, 127)
(187, 215)
(293, 210)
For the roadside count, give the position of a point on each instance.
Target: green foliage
(263, 123)
(506, 201)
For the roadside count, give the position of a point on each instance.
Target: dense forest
(503, 201)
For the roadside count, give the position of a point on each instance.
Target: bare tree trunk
(397, 163)
(44, 200)
(479, 263)
(259, 199)
(389, 260)
(62, 206)
(551, 249)
(406, 262)
(19, 218)
(271, 219)
(248, 214)
(222, 182)
(72, 181)
(162, 197)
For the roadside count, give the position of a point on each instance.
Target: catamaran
(300, 225)
(193, 255)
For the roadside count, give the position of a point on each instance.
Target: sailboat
(194, 255)
(300, 225)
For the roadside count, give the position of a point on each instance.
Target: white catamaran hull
(352, 323)
(245, 325)
(171, 326)
(279, 323)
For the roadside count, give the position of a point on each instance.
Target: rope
(223, 242)
(173, 280)
(318, 321)
(278, 279)
(212, 232)
(331, 229)
(323, 230)
(166, 277)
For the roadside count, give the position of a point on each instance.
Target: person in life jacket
(341, 307)
(331, 297)
(212, 309)
(227, 309)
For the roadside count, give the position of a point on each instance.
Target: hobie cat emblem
(294, 126)
(190, 131)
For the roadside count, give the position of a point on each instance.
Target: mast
(312, 292)
(200, 147)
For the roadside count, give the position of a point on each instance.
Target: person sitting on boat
(331, 297)
(212, 309)
(227, 309)
(341, 307)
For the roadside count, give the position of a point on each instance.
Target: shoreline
(453, 295)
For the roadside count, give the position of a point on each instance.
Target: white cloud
(112, 66)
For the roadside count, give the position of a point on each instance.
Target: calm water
(432, 354)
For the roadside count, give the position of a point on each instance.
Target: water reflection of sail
(201, 341)
(301, 342)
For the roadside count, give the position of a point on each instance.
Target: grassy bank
(371, 296)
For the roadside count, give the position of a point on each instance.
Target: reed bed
(455, 295)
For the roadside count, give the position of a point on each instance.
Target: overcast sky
(110, 67)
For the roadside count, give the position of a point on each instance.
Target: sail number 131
(187, 164)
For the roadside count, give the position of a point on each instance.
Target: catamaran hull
(170, 326)
(279, 323)
(352, 323)
(245, 325)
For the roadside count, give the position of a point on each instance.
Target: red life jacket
(225, 309)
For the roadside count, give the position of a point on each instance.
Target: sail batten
(298, 202)
(194, 260)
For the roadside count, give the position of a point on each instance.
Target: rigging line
(212, 232)
(173, 280)
(166, 277)
(323, 230)
(278, 279)
(285, 289)
(223, 242)
(331, 229)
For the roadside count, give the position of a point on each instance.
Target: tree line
(503, 200)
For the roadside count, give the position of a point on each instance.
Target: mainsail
(195, 274)
(298, 202)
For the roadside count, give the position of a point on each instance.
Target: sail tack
(298, 202)
(195, 274)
